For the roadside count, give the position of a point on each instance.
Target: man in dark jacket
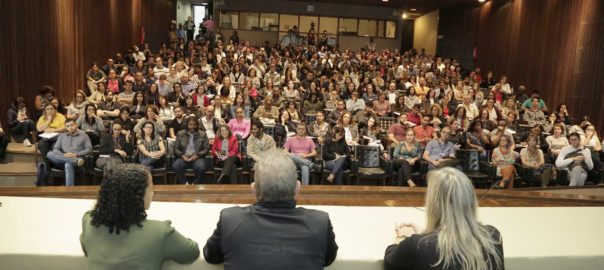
(272, 233)
(114, 147)
(191, 147)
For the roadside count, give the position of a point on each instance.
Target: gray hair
(451, 206)
(275, 177)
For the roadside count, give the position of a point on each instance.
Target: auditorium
(291, 134)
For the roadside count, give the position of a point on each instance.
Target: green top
(142, 248)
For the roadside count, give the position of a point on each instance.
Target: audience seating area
(387, 88)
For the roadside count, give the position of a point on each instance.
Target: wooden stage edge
(320, 195)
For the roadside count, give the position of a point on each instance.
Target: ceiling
(421, 6)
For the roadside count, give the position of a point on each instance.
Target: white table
(42, 233)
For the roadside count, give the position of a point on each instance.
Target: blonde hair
(451, 206)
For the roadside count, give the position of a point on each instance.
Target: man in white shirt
(575, 158)
(187, 86)
(137, 54)
(471, 109)
(163, 87)
(159, 68)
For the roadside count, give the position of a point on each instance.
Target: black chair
(386, 122)
(368, 163)
(53, 172)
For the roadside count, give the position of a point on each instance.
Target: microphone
(492, 187)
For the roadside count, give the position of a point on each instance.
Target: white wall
(425, 32)
(183, 10)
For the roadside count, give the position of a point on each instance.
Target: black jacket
(272, 235)
(200, 140)
(331, 148)
(419, 252)
(107, 145)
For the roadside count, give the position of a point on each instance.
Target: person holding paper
(225, 150)
(115, 146)
(453, 238)
(50, 124)
(336, 154)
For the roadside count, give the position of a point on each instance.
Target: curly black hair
(121, 200)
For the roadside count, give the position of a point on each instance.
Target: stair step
(17, 180)
(19, 148)
(19, 168)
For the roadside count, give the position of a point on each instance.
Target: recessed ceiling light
(413, 9)
(481, 1)
(384, 0)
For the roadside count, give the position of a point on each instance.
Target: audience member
(577, 159)
(151, 147)
(405, 158)
(114, 148)
(69, 150)
(301, 149)
(225, 150)
(336, 154)
(190, 149)
(504, 158)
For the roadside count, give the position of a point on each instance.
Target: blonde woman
(453, 238)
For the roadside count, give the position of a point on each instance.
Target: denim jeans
(198, 166)
(336, 168)
(152, 163)
(304, 165)
(69, 164)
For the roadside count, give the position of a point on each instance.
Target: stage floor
(334, 195)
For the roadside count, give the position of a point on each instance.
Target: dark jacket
(291, 238)
(107, 145)
(332, 147)
(200, 140)
(419, 252)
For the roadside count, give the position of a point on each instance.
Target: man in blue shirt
(440, 152)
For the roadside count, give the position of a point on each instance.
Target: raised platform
(42, 233)
(325, 195)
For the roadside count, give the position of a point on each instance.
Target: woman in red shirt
(225, 151)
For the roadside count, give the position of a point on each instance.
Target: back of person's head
(275, 177)
(122, 198)
(451, 206)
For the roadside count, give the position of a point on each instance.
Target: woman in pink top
(239, 125)
(113, 84)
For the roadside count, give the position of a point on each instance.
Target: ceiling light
(404, 16)
(413, 9)
(384, 0)
(481, 1)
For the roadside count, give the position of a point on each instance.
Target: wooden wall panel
(54, 42)
(554, 46)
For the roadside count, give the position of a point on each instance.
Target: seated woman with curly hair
(116, 234)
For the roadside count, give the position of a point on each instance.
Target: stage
(43, 232)
(330, 195)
